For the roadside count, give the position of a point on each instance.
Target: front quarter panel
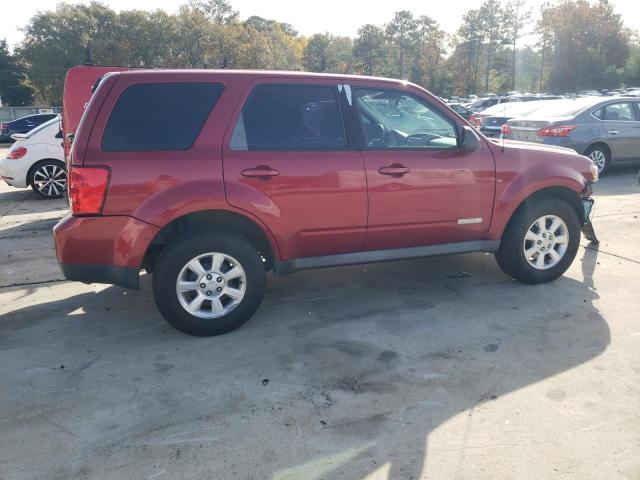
(524, 170)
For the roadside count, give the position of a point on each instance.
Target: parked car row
(606, 129)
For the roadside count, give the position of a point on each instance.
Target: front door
(288, 162)
(424, 189)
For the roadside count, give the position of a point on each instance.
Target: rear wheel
(600, 155)
(209, 283)
(540, 242)
(48, 179)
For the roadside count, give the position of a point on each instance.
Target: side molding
(304, 263)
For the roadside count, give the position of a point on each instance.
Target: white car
(36, 159)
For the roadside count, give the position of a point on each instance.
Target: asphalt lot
(439, 368)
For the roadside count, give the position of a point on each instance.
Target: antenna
(504, 115)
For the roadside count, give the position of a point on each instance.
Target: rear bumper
(102, 249)
(127, 277)
(13, 172)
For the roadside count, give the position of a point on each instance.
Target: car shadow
(340, 372)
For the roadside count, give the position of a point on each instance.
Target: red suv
(210, 179)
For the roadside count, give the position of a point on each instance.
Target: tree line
(576, 45)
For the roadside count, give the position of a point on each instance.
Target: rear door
(287, 161)
(622, 127)
(423, 187)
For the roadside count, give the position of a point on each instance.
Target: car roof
(254, 74)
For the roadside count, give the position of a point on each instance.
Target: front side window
(619, 112)
(159, 116)
(290, 117)
(393, 119)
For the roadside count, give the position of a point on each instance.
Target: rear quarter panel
(158, 187)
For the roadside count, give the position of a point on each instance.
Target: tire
(600, 155)
(511, 256)
(219, 312)
(48, 179)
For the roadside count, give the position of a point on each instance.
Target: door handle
(262, 172)
(394, 170)
(613, 132)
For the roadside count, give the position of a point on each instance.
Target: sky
(340, 17)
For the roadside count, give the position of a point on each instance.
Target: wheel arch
(564, 193)
(39, 162)
(211, 220)
(598, 143)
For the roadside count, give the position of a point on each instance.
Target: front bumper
(107, 249)
(587, 227)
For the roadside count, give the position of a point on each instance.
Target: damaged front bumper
(587, 226)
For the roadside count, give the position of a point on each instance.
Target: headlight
(594, 173)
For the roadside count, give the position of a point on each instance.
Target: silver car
(606, 129)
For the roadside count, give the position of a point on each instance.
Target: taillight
(505, 129)
(3, 125)
(87, 189)
(561, 131)
(16, 153)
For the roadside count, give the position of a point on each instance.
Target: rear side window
(619, 112)
(159, 116)
(290, 117)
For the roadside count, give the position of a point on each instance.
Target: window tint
(290, 117)
(393, 119)
(159, 116)
(619, 112)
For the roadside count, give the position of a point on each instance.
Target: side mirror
(59, 134)
(469, 140)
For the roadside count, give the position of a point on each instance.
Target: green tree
(13, 90)
(517, 16)
(327, 53)
(586, 42)
(401, 31)
(369, 50)
(493, 26)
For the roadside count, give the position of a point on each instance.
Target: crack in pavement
(596, 249)
(614, 214)
(40, 282)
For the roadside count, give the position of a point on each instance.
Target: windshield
(42, 127)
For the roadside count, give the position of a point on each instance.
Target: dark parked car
(23, 125)
(279, 171)
(606, 129)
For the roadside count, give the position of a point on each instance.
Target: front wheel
(209, 283)
(540, 242)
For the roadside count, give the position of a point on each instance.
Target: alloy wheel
(211, 285)
(546, 242)
(599, 158)
(50, 180)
